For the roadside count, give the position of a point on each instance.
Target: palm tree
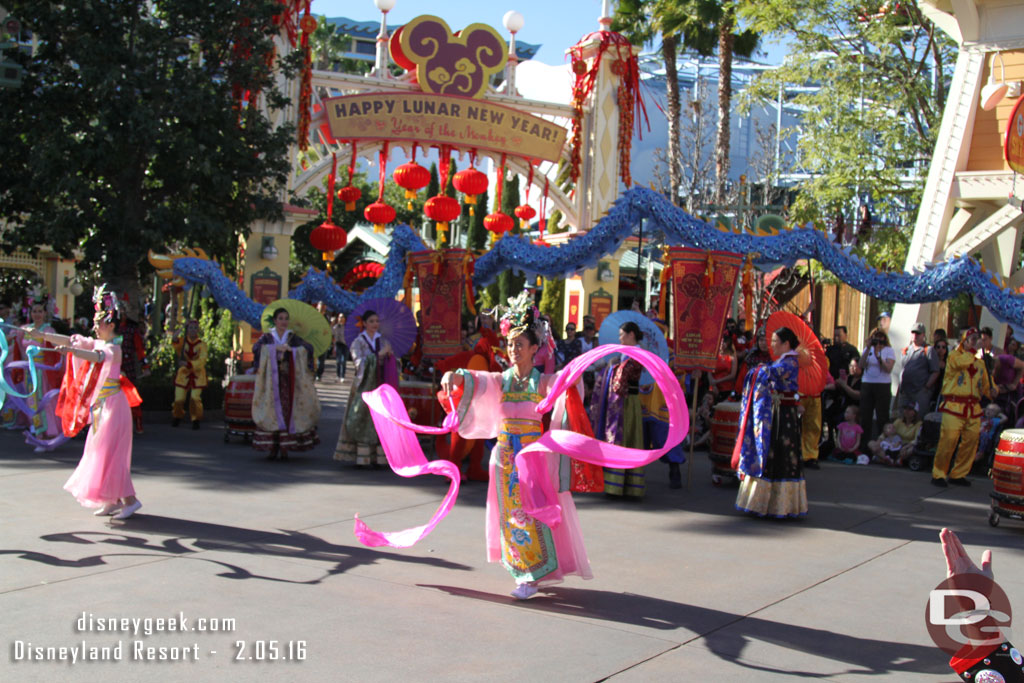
(638, 20)
(707, 25)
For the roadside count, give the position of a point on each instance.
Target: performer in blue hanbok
(769, 446)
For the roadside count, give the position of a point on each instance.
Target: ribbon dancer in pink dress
(95, 391)
(503, 405)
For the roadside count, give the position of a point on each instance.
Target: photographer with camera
(878, 360)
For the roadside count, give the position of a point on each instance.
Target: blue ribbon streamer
(33, 373)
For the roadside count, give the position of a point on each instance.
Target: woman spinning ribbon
(532, 527)
(95, 391)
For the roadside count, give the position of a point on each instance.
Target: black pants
(875, 400)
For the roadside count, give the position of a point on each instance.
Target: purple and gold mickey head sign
(452, 63)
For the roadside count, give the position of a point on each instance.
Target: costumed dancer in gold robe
(191, 376)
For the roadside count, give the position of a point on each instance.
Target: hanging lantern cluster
(327, 238)
(470, 182)
(412, 177)
(350, 194)
(379, 213)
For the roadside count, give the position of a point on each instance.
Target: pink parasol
(397, 324)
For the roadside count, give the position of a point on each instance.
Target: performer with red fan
(768, 450)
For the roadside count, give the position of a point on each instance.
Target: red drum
(1008, 477)
(420, 400)
(725, 429)
(238, 406)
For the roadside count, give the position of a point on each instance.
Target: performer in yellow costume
(965, 383)
(191, 377)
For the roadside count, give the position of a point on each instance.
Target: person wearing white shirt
(877, 361)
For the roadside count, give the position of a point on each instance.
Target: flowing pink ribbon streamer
(539, 498)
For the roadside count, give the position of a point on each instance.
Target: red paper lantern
(443, 210)
(413, 178)
(525, 214)
(498, 223)
(328, 238)
(470, 182)
(380, 214)
(350, 195)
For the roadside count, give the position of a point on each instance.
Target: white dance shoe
(107, 510)
(129, 510)
(524, 591)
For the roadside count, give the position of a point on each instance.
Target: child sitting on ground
(896, 443)
(848, 434)
(886, 450)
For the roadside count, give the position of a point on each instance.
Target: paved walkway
(685, 588)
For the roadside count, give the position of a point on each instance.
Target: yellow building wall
(990, 126)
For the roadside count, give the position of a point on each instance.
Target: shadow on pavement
(727, 640)
(187, 539)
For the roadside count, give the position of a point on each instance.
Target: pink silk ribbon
(538, 494)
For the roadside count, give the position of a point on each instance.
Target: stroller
(927, 443)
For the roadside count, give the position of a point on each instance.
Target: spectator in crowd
(848, 437)
(883, 321)
(569, 347)
(723, 379)
(840, 351)
(993, 421)
(589, 338)
(898, 438)
(876, 384)
(340, 348)
(919, 367)
(940, 349)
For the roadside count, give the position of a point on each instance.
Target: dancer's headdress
(521, 315)
(108, 303)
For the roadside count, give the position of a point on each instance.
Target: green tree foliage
(476, 237)
(870, 122)
(433, 187)
(510, 283)
(126, 135)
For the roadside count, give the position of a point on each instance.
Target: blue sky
(555, 25)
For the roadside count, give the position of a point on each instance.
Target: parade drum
(725, 427)
(1008, 476)
(421, 401)
(238, 405)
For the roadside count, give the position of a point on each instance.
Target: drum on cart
(238, 407)
(421, 401)
(1008, 477)
(725, 429)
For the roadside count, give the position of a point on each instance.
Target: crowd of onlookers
(863, 419)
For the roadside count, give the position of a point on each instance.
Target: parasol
(813, 364)
(397, 324)
(303, 320)
(653, 341)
